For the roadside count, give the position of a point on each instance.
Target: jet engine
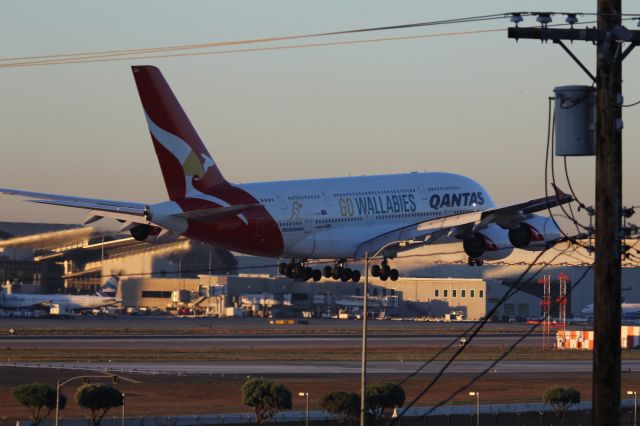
(534, 233)
(491, 242)
(147, 233)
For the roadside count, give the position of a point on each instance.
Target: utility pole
(608, 36)
(606, 354)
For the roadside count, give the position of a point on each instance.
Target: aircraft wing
(460, 225)
(120, 210)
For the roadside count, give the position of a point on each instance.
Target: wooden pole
(606, 356)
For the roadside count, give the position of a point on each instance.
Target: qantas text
(456, 199)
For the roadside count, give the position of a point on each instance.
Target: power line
(504, 354)
(130, 54)
(256, 49)
(120, 52)
(480, 324)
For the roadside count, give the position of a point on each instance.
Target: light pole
(306, 395)
(477, 395)
(115, 379)
(365, 314)
(635, 406)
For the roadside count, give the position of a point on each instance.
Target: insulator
(516, 18)
(544, 19)
(572, 19)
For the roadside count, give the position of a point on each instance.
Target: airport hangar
(176, 274)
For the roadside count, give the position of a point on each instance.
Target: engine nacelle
(147, 233)
(491, 243)
(534, 233)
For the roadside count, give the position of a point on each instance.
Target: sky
(473, 104)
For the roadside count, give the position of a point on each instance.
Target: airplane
(630, 311)
(336, 220)
(104, 297)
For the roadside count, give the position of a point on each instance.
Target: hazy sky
(471, 104)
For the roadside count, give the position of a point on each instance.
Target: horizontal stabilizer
(208, 215)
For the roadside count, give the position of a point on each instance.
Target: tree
(98, 398)
(343, 405)
(266, 398)
(561, 399)
(381, 396)
(39, 398)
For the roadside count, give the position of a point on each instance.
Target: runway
(254, 342)
(329, 368)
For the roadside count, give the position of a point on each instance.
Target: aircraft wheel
(355, 276)
(386, 269)
(335, 275)
(383, 276)
(471, 261)
(282, 269)
(308, 274)
(290, 271)
(479, 262)
(375, 270)
(344, 277)
(327, 271)
(317, 275)
(348, 272)
(299, 273)
(394, 274)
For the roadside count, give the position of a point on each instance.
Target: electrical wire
(550, 123)
(631, 105)
(257, 49)
(480, 324)
(132, 51)
(569, 215)
(504, 354)
(129, 54)
(516, 287)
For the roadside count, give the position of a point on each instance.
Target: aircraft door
(422, 191)
(282, 202)
(308, 225)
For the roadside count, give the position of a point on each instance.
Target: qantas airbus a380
(336, 219)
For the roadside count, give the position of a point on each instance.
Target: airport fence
(460, 415)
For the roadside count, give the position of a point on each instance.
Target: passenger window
(481, 294)
(436, 293)
(462, 293)
(453, 293)
(446, 293)
(473, 293)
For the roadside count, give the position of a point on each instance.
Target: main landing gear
(474, 261)
(384, 271)
(299, 271)
(341, 272)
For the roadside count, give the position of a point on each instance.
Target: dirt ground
(178, 395)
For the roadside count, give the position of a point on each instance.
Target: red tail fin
(183, 158)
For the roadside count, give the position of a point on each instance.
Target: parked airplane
(337, 219)
(104, 297)
(630, 311)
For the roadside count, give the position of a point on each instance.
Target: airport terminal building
(195, 277)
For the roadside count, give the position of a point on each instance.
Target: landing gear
(341, 272)
(384, 271)
(474, 261)
(299, 271)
